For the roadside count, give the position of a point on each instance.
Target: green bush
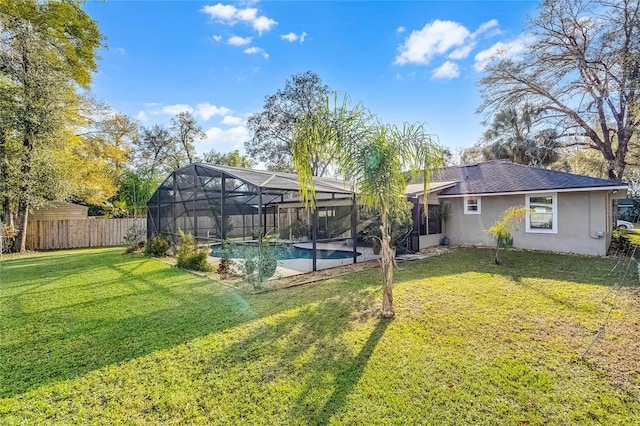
(157, 246)
(134, 238)
(259, 264)
(299, 229)
(190, 256)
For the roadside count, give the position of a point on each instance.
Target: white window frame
(554, 212)
(466, 205)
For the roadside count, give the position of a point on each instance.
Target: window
(543, 213)
(472, 205)
(432, 223)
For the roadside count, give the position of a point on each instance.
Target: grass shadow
(120, 309)
(349, 376)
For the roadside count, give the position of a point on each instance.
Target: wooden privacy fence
(74, 233)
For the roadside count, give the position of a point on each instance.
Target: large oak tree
(47, 50)
(582, 71)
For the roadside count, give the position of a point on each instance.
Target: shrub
(502, 230)
(156, 246)
(299, 229)
(134, 237)
(190, 256)
(8, 235)
(224, 267)
(623, 242)
(259, 264)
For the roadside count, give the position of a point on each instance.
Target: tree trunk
(496, 259)
(20, 245)
(25, 192)
(6, 214)
(387, 255)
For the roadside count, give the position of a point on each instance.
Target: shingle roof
(415, 189)
(504, 176)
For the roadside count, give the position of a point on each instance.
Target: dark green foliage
(190, 255)
(272, 128)
(157, 246)
(299, 229)
(401, 226)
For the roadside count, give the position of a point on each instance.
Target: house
(55, 210)
(567, 213)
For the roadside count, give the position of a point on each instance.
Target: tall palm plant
(511, 135)
(372, 157)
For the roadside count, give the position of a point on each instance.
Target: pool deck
(289, 267)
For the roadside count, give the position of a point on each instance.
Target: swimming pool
(286, 252)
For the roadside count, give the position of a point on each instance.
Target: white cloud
(221, 11)
(262, 24)
(291, 37)
(248, 14)
(508, 50)
(254, 50)
(435, 38)
(231, 15)
(206, 110)
(235, 136)
(449, 70)
(177, 109)
(484, 27)
(239, 41)
(217, 37)
(462, 52)
(439, 38)
(400, 30)
(120, 50)
(203, 110)
(232, 120)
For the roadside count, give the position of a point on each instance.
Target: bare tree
(582, 70)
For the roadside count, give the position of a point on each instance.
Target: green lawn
(94, 336)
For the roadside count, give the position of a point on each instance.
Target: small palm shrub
(502, 229)
(157, 246)
(191, 256)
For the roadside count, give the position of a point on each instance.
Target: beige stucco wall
(580, 216)
(430, 240)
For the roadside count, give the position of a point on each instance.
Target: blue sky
(406, 61)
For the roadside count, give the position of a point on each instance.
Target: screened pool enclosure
(216, 203)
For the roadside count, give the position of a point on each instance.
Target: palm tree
(372, 156)
(512, 136)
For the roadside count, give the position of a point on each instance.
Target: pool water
(284, 252)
